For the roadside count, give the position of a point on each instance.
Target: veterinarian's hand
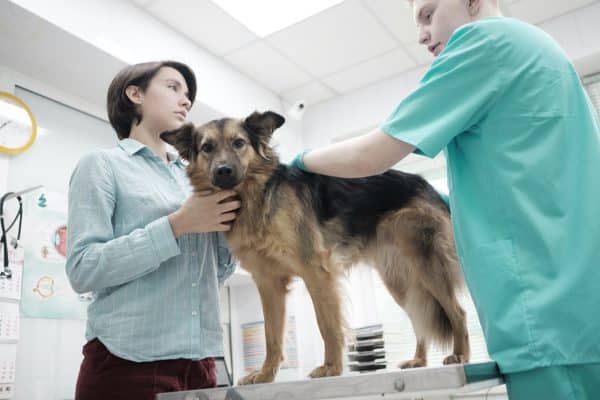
(205, 212)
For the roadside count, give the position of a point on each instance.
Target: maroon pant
(103, 376)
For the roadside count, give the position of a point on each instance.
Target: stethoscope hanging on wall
(6, 272)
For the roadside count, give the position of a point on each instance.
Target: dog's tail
(440, 327)
(429, 277)
(441, 275)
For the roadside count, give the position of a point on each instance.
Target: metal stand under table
(400, 384)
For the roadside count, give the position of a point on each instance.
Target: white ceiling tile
(334, 39)
(203, 22)
(589, 27)
(374, 70)
(142, 3)
(420, 53)
(311, 93)
(397, 16)
(536, 11)
(261, 62)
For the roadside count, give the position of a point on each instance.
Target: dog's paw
(326, 370)
(414, 363)
(256, 377)
(456, 359)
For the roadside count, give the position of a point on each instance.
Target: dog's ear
(183, 139)
(260, 127)
(264, 124)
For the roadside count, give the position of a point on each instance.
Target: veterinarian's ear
(183, 139)
(264, 123)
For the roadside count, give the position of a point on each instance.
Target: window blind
(592, 86)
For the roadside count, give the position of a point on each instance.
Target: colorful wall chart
(46, 290)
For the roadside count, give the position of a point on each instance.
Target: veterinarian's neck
(151, 139)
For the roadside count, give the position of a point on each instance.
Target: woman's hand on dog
(205, 212)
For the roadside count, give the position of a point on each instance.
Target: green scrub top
(523, 148)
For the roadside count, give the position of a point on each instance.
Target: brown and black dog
(298, 224)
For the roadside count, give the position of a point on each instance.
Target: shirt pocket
(492, 275)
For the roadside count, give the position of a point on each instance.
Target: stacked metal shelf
(367, 352)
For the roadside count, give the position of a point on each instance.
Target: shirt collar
(176, 158)
(132, 146)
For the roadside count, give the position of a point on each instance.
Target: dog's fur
(294, 223)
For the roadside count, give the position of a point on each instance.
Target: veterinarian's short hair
(121, 111)
(411, 2)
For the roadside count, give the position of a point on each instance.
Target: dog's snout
(224, 170)
(225, 176)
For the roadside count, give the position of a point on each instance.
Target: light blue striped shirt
(155, 297)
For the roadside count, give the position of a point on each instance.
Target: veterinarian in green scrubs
(523, 147)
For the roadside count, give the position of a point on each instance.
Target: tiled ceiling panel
(351, 45)
(335, 39)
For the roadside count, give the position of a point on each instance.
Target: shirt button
(194, 313)
(194, 284)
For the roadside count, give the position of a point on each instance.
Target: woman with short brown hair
(146, 247)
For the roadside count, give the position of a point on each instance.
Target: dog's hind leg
(439, 273)
(421, 236)
(414, 300)
(445, 296)
(272, 292)
(324, 292)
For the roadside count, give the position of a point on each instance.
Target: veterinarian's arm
(366, 155)
(95, 258)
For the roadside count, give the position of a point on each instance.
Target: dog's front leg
(272, 292)
(324, 291)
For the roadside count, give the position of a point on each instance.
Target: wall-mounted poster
(253, 335)
(46, 290)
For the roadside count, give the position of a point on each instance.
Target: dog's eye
(239, 143)
(207, 147)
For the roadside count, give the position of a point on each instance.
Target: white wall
(3, 173)
(5, 86)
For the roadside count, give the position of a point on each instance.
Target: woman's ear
(474, 7)
(134, 94)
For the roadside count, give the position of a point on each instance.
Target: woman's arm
(96, 259)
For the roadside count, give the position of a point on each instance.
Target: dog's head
(221, 153)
